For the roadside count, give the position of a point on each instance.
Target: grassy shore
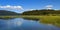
(7, 17)
(54, 20)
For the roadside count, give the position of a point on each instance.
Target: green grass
(7, 17)
(54, 20)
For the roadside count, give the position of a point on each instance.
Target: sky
(27, 5)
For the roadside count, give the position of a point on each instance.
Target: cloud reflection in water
(13, 23)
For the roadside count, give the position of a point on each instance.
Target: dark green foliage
(41, 12)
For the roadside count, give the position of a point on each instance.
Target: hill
(4, 12)
(42, 12)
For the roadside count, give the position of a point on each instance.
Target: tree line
(42, 12)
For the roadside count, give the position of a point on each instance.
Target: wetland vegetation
(54, 20)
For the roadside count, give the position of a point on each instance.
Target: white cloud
(49, 6)
(11, 7)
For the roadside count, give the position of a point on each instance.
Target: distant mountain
(5, 12)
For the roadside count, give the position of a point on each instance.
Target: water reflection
(35, 19)
(14, 23)
(9, 23)
(6, 18)
(24, 24)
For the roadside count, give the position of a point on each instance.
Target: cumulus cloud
(49, 6)
(11, 7)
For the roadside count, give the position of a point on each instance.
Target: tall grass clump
(55, 20)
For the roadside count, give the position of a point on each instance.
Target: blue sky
(30, 4)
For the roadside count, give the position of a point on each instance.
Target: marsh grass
(7, 17)
(54, 20)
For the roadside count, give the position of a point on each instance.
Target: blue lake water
(24, 24)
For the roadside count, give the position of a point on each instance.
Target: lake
(24, 24)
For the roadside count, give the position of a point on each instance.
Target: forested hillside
(42, 12)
